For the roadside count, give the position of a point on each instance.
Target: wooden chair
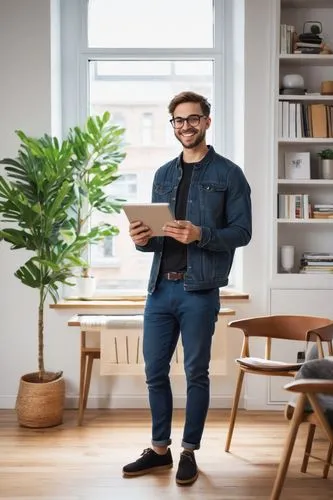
(286, 327)
(308, 389)
(323, 337)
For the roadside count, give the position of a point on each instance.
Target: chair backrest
(287, 327)
(322, 335)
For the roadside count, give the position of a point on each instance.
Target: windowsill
(134, 301)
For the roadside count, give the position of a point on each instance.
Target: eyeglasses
(192, 120)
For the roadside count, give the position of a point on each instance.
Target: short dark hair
(189, 96)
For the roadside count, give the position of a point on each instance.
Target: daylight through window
(134, 69)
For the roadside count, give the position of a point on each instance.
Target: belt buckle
(175, 276)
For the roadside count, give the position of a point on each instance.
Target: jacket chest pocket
(212, 197)
(162, 192)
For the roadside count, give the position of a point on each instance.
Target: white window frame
(76, 56)
(75, 75)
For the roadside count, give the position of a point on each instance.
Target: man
(210, 198)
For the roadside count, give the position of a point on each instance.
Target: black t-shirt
(174, 258)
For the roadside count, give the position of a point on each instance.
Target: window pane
(139, 99)
(150, 23)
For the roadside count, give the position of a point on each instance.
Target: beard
(194, 141)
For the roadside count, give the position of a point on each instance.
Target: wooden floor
(84, 463)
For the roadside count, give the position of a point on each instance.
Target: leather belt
(173, 276)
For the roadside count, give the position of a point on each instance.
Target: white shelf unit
(311, 60)
(307, 140)
(306, 235)
(309, 98)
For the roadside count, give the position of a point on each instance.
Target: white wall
(25, 101)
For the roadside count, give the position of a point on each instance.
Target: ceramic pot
(326, 169)
(85, 287)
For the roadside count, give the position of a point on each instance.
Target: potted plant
(96, 159)
(45, 197)
(326, 164)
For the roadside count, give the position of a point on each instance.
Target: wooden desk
(137, 303)
(89, 354)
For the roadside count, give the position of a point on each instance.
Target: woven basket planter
(40, 404)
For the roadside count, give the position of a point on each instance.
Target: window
(125, 187)
(150, 24)
(104, 252)
(147, 129)
(133, 69)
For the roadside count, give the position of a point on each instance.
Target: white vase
(287, 258)
(85, 287)
(326, 169)
(293, 81)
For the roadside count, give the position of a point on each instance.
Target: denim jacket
(219, 203)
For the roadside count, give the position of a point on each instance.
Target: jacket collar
(202, 163)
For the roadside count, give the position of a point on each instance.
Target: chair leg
(308, 447)
(328, 461)
(83, 363)
(234, 409)
(288, 448)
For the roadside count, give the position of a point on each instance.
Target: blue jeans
(169, 311)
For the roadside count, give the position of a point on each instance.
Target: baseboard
(141, 401)
(126, 401)
(254, 404)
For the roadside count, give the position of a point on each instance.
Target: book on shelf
(310, 38)
(297, 165)
(323, 207)
(292, 120)
(310, 270)
(307, 50)
(319, 263)
(322, 215)
(285, 118)
(312, 256)
(287, 38)
(319, 120)
(294, 206)
(311, 44)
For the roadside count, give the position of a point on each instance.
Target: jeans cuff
(166, 442)
(190, 446)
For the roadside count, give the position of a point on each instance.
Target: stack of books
(321, 211)
(308, 43)
(287, 36)
(316, 263)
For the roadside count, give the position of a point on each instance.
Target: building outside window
(147, 129)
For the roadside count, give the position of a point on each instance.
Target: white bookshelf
(306, 182)
(311, 60)
(306, 235)
(307, 140)
(310, 98)
(305, 221)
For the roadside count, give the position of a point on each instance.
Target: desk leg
(83, 362)
(87, 381)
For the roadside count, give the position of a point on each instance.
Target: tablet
(153, 215)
